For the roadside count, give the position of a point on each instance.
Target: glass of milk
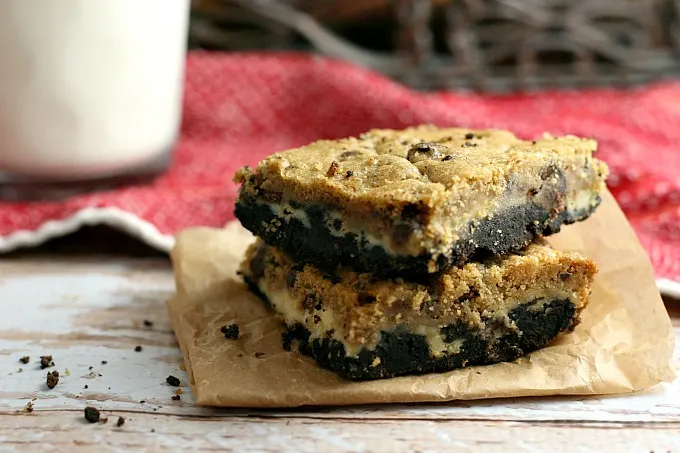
(90, 90)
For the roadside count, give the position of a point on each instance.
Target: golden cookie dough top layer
(356, 307)
(423, 163)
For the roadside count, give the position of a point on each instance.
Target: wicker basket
(492, 45)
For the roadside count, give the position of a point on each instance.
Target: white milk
(89, 88)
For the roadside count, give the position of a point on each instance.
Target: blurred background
(491, 45)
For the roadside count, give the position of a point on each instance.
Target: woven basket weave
(492, 45)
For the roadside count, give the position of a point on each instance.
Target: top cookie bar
(419, 200)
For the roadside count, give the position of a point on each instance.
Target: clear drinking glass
(90, 92)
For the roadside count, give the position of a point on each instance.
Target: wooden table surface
(88, 311)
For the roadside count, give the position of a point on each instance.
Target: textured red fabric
(240, 107)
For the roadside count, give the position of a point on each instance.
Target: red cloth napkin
(241, 107)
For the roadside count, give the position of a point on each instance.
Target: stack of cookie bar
(421, 250)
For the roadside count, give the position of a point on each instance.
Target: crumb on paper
(172, 380)
(142, 401)
(52, 378)
(28, 408)
(66, 372)
(230, 332)
(120, 422)
(25, 359)
(176, 397)
(20, 370)
(46, 361)
(92, 414)
(138, 348)
(103, 420)
(178, 392)
(86, 387)
(104, 362)
(90, 368)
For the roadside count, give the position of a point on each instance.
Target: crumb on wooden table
(46, 361)
(92, 414)
(52, 378)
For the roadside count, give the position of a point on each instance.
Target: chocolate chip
(365, 298)
(469, 136)
(347, 154)
(257, 263)
(176, 397)
(291, 276)
(52, 378)
(138, 349)
(172, 380)
(424, 151)
(120, 422)
(92, 414)
(310, 301)
(231, 332)
(349, 173)
(564, 276)
(25, 359)
(46, 361)
(333, 169)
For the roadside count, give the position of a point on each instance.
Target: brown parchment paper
(623, 344)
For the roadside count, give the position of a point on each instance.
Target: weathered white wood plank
(62, 430)
(84, 312)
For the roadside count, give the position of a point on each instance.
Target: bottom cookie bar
(481, 313)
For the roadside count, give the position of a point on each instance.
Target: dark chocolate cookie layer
(319, 245)
(400, 353)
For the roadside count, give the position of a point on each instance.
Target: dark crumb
(20, 370)
(142, 402)
(99, 374)
(259, 355)
(120, 422)
(176, 397)
(46, 361)
(28, 408)
(469, 136)
(52, 378)
(240, 355)
(138, 349)
(333, 169)
(90, 368)
(104, 362)
(25, 359)
(172, 380)
(153, 430)
(449, 157)
(349, 174)
(533, 142)
(148, 323)
(155, 409)
(92, 414)
(230, 332)
(564, 276)
(104, 420)
(86, 387)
